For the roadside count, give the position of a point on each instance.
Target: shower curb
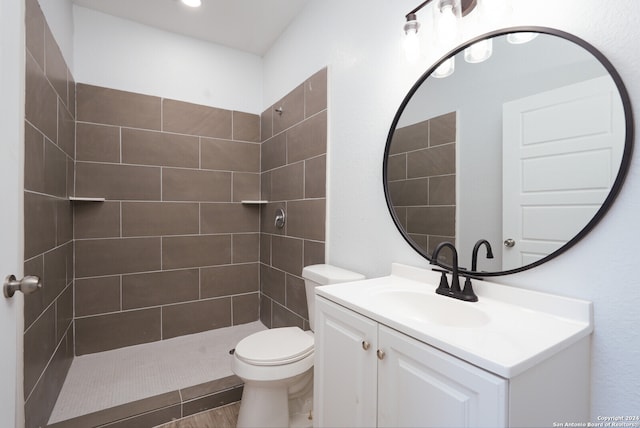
(162, 408)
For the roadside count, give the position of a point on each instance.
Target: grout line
(143, 308)
(166, 132)
(53, 354)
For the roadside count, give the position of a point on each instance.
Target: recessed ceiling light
(192, 3)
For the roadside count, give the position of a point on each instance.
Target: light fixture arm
(420, 6)
(466, 6)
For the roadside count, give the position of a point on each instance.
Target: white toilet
(276, 365)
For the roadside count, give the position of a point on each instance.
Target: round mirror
(521, 137)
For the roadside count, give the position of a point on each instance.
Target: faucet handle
(443, 288)
(467, 292)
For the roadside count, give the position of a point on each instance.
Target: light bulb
(411, 41)
(192, 3)
(520, 38)
(412, 46)
(447, 24)
(445, 69)
(479, 51)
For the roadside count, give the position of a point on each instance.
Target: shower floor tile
(106, 379)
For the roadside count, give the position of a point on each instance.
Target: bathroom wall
(293, 169)
(59, 16)
(138, 58)
(172, 250)
(48, 217)
(421, 178)
(368, 79)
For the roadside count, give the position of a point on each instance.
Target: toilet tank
(315, 275)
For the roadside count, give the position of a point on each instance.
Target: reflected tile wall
(294, 147)
(48, 217)
(421, 173)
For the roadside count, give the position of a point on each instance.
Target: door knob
(509, 242)
(29, 284)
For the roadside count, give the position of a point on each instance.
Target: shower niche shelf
(254, 202)
(81, 199)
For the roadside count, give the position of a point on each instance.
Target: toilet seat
(275, 347)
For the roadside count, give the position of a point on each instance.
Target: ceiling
(247, 25)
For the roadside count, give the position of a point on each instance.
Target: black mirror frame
(624, 164)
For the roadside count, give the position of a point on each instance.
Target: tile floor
(222, 417)
(112, 378)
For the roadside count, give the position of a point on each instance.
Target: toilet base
(277, 404)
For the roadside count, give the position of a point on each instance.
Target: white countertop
(520, 328)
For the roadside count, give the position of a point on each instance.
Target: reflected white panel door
(561, 153)
(11, 184)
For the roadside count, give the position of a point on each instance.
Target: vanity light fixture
(192, 3)
(446, 16)
(446, 20)
(411, 41)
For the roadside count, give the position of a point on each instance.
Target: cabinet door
(345, 372)
(420, 386)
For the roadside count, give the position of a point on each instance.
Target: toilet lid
(275, 347)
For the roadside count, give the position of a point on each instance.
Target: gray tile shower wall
(293, 166)
(421, 178)
(172, 250)
(48, 217)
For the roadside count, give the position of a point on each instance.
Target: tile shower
(48, 217)
(172, 250)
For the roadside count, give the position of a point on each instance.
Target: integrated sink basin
(507, 331)
(429, 307)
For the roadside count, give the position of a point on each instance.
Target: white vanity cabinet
(367, 375)
(345, 367)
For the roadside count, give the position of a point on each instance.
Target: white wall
(120, 54)
(360, 41)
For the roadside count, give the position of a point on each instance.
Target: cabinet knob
(380, 354)
(365, 345)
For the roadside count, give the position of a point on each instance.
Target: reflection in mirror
(523, 148)
(421, 174)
